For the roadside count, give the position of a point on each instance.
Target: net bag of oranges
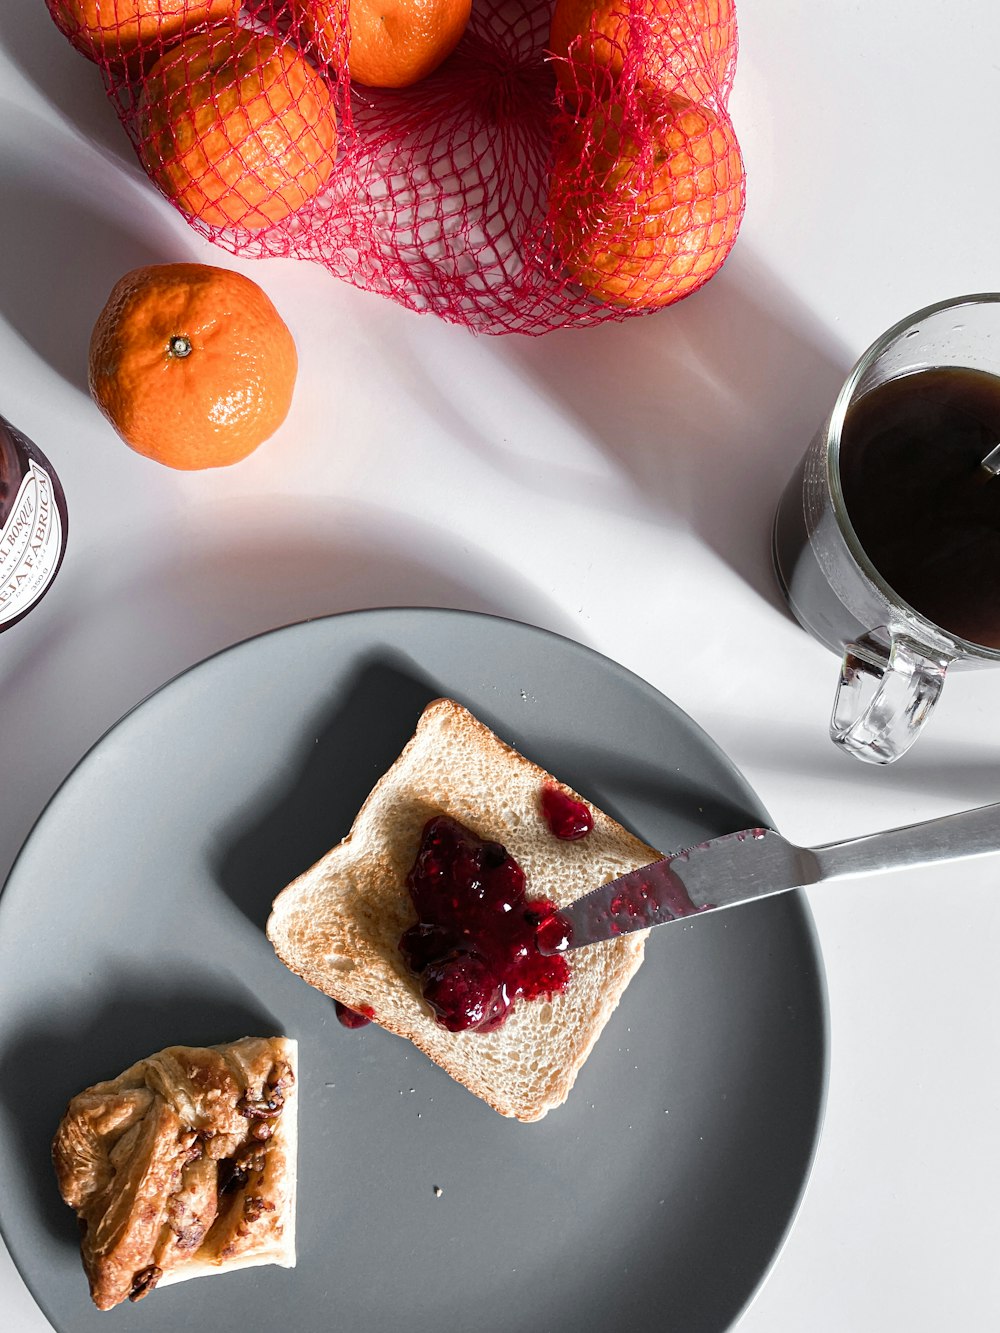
(511, 165)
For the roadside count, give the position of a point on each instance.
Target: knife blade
(753, 863)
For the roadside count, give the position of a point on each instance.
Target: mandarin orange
(645, 209)
(716, 19)
(237, 128)
(115, 29)
(392, 43)
(191, 364)
(686, 47)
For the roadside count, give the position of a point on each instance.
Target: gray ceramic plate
(655, 1199)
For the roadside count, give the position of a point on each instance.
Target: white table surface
(614, 485)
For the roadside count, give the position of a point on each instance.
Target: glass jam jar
(33, 525)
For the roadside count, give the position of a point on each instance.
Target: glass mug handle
(884, 697)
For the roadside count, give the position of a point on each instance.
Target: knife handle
(948, 838)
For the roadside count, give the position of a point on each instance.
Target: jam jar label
(30, 544)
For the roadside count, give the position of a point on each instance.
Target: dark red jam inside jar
(473, 946)
(566, 817)
(353, 1018)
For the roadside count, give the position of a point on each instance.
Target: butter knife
(757, 863)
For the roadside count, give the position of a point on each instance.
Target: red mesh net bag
(566, 162)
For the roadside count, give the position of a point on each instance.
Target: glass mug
(886, 542)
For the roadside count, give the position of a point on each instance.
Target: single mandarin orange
(390, 43)
(716, 20)
(237, 128)
(115, 29)
(191, 364)
(686, 48)
(645, 210)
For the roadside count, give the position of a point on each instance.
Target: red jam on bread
(473, 946)
(566, 817)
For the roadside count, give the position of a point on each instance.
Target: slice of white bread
(338, 925)
(183, 1165)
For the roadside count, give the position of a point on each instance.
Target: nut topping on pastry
(183, 1165)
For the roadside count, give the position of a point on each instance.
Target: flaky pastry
(183, 1165)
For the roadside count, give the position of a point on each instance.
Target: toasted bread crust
(338, 925)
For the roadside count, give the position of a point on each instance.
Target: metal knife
(757, 863)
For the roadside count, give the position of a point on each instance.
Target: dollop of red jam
(554, 934)
(566, 817)
(473, 946)
(353, 1018)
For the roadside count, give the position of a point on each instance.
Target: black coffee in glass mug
(887, 540)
